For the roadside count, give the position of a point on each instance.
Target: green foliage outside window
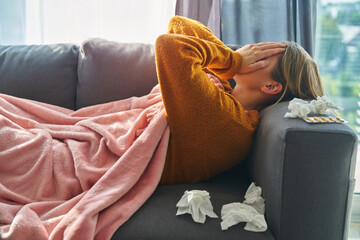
(338, 56)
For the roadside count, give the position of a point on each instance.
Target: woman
(212, 129)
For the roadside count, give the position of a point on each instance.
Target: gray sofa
(306, 171)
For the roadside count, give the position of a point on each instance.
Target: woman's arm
(180, 62)
(189, 27)
(210, 131)
(253, 55)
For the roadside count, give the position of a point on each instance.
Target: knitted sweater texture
(210, 130)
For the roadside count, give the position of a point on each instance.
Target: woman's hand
(254, 55)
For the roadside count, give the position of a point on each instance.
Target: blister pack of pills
(324, 119)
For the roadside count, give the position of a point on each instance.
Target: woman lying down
(81, 174)
(212, 129)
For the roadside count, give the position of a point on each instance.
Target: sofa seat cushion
(157, 219)
(46, 73)
(110, 71)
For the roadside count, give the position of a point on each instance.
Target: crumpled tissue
(301, 109)
(254, 199)
(197, 203)
(251, 211)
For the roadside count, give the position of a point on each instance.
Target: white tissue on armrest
(300, 108)
(323, 105)
(252, 211)
(197, 203)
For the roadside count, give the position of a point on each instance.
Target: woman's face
(257, 79)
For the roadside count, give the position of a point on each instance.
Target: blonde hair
(298, 73)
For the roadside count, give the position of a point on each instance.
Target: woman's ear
(272, 88)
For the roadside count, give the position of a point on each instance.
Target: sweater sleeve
(210, 130)
(189, 27)
(181, 61)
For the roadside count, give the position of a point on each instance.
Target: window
(51, 21)
(337, 54)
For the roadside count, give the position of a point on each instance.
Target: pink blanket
(77, 174)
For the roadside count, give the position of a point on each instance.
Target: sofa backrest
(110, 71)
(46, 73)
(74, 76)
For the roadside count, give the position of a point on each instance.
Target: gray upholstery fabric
(157, 218)
(305, 171)
(110, 71)
(46, 73)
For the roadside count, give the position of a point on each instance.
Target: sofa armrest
(307, 175)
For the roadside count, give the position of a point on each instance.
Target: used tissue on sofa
(321, 106)
(254, 199)
(235, 213)
(197, 203)
(251, 211)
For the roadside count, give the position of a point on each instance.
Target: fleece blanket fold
(78, 174)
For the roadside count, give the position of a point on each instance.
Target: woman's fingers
(254, 55)
(256, 66)
(269, 52)
(267, 45)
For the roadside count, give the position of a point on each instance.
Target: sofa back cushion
(46, 73)
(110, 71)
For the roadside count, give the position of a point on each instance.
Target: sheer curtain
(52, 21)
(208, 12)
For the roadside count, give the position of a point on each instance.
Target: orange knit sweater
(210, 130)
